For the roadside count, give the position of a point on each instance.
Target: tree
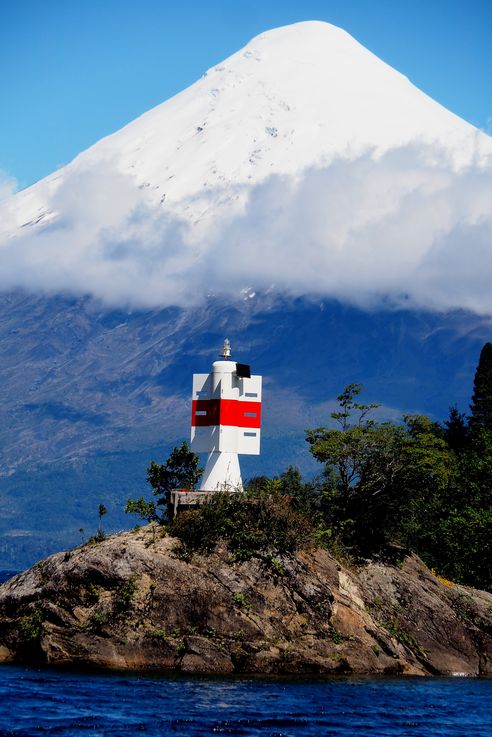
(101, 511)
(464, 531)
(291, 481)
(352, 449)
(481, 406)
(180, 471)
(386, 472)
(262, 522)
(456, 430)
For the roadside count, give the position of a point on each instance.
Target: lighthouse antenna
(226, 350)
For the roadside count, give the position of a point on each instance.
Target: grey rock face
(130, 601)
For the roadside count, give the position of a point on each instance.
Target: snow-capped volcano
(292, 98)
(301, 161)
(301, 137)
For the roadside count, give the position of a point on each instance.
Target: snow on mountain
(292, 98)
(302, 161)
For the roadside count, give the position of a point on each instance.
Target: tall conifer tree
(457, 430)
(481, 406)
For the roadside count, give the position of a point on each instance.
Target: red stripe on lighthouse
(205, 412)
(240, 414)
(229, 412)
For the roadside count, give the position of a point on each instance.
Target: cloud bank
(8, 187)
(403, 229)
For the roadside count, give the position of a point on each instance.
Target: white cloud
(405, 228)
(365, 231)
(8, 186)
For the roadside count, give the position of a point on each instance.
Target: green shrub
(124, 597)
(97, 621)
(241, 601)
(30, 626)
(159, 634)
(258, 522)
(92, 594)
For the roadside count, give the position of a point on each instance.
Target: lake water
(73, 704)
(5, 575)
(69, 704)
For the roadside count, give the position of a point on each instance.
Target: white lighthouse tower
(225, 420)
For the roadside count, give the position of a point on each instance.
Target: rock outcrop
(130, 601)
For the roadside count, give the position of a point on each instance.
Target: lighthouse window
(201, 412)
(249, 435)
(250, 414)
(250, 394)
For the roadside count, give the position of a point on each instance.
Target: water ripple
(68, 704)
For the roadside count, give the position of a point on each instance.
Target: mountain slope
(89, 395)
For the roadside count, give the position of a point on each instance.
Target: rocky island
(135, 601)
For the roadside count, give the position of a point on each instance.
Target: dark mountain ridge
(91, 394)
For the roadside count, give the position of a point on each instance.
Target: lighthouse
(225, 420)
(225, 423)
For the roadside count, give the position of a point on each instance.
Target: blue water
(5, 575)
(47, 702)
(72, 704)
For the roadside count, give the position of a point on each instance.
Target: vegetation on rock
(180, 471)
(417, 484)
(259, 522)
(385, 486)
(126, 604)
(481, 406)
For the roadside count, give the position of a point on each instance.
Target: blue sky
(72, 72)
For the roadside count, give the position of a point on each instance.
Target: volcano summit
(300, 155)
